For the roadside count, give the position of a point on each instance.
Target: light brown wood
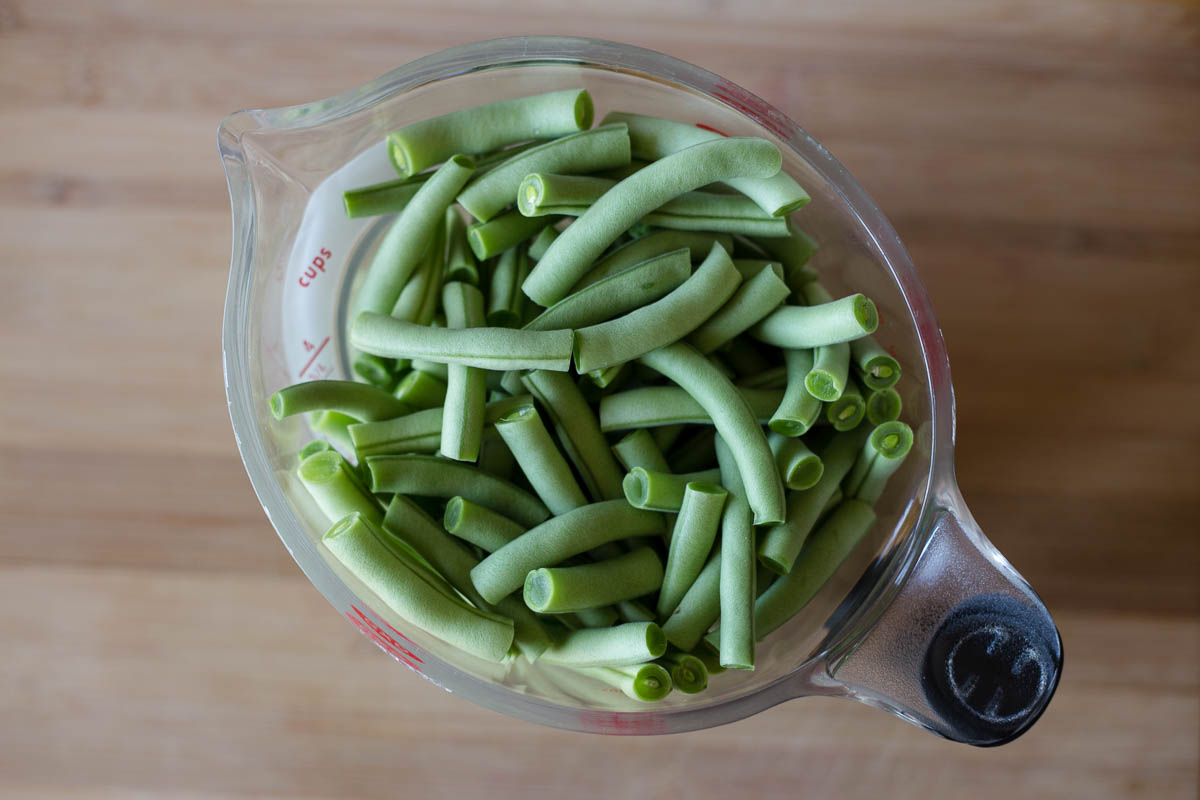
(1041, 162)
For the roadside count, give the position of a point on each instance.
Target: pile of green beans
(600, 405)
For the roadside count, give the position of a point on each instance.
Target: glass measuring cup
(925, 619)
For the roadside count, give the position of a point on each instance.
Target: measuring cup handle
(966, 649)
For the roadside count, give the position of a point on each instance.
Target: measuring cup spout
(966, 649)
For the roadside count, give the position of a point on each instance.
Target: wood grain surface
(1041, 161)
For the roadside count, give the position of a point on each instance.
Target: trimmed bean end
(865, 313)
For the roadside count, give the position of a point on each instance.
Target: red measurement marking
(614, 722)
(390, 640)
(711, 129)
(382, 640)
(751, 106)
(314, 356)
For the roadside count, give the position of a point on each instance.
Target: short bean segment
(698, 244)
(506, 303)
(756, 298)
(656, 406)
(418, 432)
(360, 400)
(882, 454)
(663, 491)
(539, 458)
(463, 412)
(620, 645)
(486, 529)
(555, 590)
(692, 539)
(737, 588)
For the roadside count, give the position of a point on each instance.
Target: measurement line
(314, 356)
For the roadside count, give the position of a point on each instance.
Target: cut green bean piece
(874, 366)
(882, 454)
(375, 370)
(749, 267)
(823, 553)
(662, 322)
(735, 422)
(779, 546)
(578, 432)
(466, 389)
(653, 406)
(408, 239)
(506, 302)
(557, 539)
(883, 405)
(620, 645)
(633, 611)
(710, 656)
(799, 409)
(795, 327)
(746, 356)
(638, 449)
(388, 197)
(688, 673)
(420, 390)
(540, 243)
(665, 436)
(653, 138)
(488, 348)
(738, 564)
(314, 447)
(414, 593)
(418, 432)
(491, 238)
(433, 368)
(486, 529)
(645, 682)
(848, 410)
(601, 617)
(334, 487)
(799, 466)
(488, 127)
(431, 476)
(699, 245)
(556, 590)
(460, 260)
(773, 378)
(360, 400)
(588, 151)
(753, 300)
(699, 608)
(618, 294)
(334, 426)
(793, 252)
(540, 460)
(572, 253)
(830, 372)
(663, 491)
(691, 540)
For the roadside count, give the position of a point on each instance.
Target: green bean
(799, 466)
(709, 656)
(848, 410)
(489, 348)
(638, 449)
(874, 366)
(645, 682)
(414, 593)
(572, 253)
(505, 300)
(418, 432)
(360, 400)
(603, 378)
(334, 426)
(746, 357)
(688, 673)
(793, 252)
(420, 390)
(486, 529)
(699, 245)
(511, 382)
(601, 617)
(491, 238)
(798, 411)
(332, 484)
(430, 476)
(463, 412)
(488, 127)
(882, 454)
(418, 299)
(653, 138)
(556, 590)
(541, 194)
(407, 240)
(578, 432)
(540, 243)
(433, 368)
(721, 366)
(460, 261)
(830, 372)
(314, 447)
(381, 198)
(691, 540)
(588, 151)
(778, 548)
(665, 436)
(633, 611)
(375, 370)
(662, 491)
(883, 405)
(660, 323)
(814, 326)
(699, 608)
(773, 378)
(737, 591)
(621, 173)
(652, 406)
(621, 645)
(749, 267)
(752, 301)
(540, 460)
(557, 539)
(823, 553)
(634, 287)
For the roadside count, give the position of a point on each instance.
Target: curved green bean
(753, 300)
(830, 372)
(486, 529)
(360, 400)
(488, 127)
(699, 608)
(375, 370)
(799, 466)
(660, 323)
(572, 253)
(418, 432)
(334, 426)
(737, 589)
(654, 406)
(557, 539)
(798, 411)
(418, 299)
(814, 326)
(330, 481)
(544, 466)
(388, 197)
(638, 449)
(620, 645)
(420, 390)
(557, 590)
(634, 287)
(882, 454)
(663, 491)
(466, 389)
(431, 476)
(691, 540)
(491, 238)
(883, 405)
(489, 348)
(874, 366)
(699, 244)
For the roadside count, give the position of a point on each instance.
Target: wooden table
(1041, 162)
